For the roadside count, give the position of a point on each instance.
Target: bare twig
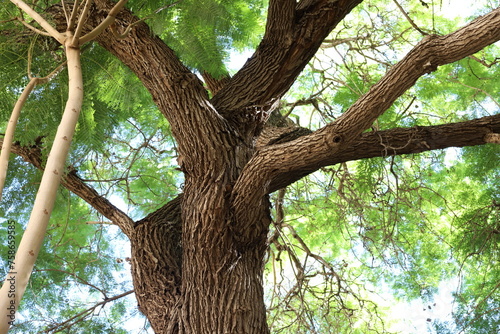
(81, 21)
(74, 13)
(484, 63)
(78, 317)
(413, 24)
(29, 26)
(65, 12)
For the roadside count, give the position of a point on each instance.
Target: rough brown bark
(214, 85)
(400, 141)
(156, 266)
(294, 32)
(221, 285)
(371, 144)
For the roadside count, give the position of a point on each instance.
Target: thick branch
(74, 183)
(177, 92)
(280, 22)
(400, 141)
(369, 145)
(431, 52)
(313, 151)
(154, 63)
(391, 142)
(283, 53)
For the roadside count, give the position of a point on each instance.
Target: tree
(198, 260)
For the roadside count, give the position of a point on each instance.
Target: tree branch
(408, 18)
(74, 183)
(247, 196)
(81, 22)
(36, 30)
(71, 22)
(400, 141)
(310, 152)
(16, 112)
(372, 144)
(83, 314)
(284, 51)
(110, 18)
(178, 93)
(280, 22)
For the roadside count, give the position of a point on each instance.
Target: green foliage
(203, 32)
(73, 270)
(404, 224)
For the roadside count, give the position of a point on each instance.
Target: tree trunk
(198, 262)
(222, 264)
(221, 276)
(213, 282)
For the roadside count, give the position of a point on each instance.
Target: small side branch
(104, 24)
(81, 22)
(36, 30)
(413, 24)
(80, 316)
(74, 13)
(11, 125)
(76, 185)
(9, 133)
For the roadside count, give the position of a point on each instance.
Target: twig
(65, 12)
(72, 18)
(409, 19)
(81, 21)
(68, 323)
(484, 63)
(29, 26)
